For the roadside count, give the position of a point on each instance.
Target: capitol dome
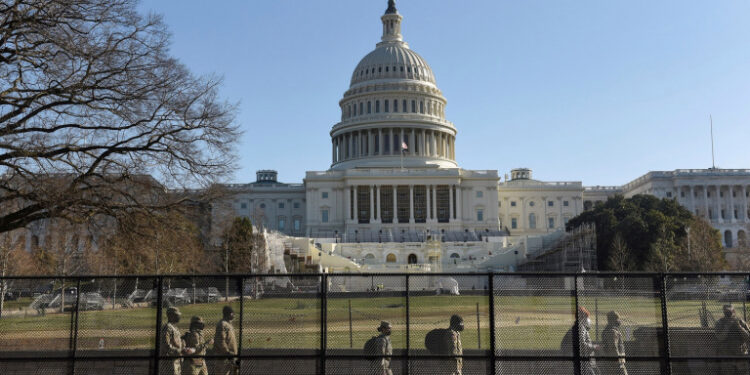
(393, 114)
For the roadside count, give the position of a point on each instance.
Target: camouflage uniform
(613, 345)
(732, 335)
(456, 364)
(382, 366)
(225, 343)
(171, 345)
(195, 365)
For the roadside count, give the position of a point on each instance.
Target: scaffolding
(573, 252)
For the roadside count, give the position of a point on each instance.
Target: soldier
(613, 345)
(171, 343)
(225, 343)
(380, 345)
(456, 326)
(732, 334)
(195, 348)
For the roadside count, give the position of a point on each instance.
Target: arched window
(742, 238)
(361, 106)
(421, 107)
(377, 106)
(395, 105)
(412, 259)
(455, 256)
(403, 107)
(369, 107)
(532, 221)
(390, 258)
(413, 106)
(387, 104)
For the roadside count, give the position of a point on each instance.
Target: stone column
(744, 203)
(433, 143)
(395, 207)
(356, 207)
(380, 141)
(561, 218)
(732, 219)
(434, 202)
(545, 220)
(411, 204)
(348, 203)
(372, 204)
(705, 202)
(718, 203)
(459, 198)
(379, 218)
(523, 223)
(333, 150)
(450, 204)
(428, 217)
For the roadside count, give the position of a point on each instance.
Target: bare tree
(619, 254)
(91, 104)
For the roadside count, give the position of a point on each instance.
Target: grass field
(522, 322)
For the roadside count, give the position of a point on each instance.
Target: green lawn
(522, 322)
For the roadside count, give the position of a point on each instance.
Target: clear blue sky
(589, 90)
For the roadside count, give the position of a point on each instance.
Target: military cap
(174, 311)
(227, 310)
(196, 319)
(384, 325)
(728, 307)
(613, 316)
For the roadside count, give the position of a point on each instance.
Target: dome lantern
(391, 24)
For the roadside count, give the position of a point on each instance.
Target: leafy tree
(653, 233)
(91, 104)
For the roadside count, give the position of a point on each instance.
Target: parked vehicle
(91, 301)
(207, 295)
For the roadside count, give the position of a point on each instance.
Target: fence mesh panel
(116, 317)
(108, 325)
(37, 317)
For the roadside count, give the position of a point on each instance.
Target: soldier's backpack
(372, 346)
(438, 341)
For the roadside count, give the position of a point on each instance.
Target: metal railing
(318, 323)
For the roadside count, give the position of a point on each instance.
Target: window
(669, 194)
(413, 106)
(390, 258)
(550, 203)
(721, 194)
(551, 222)
(297, 223)
(281, 204)
(386, 103)
(682, 194)
(361, 111)
(708, 194)
(377, 106)
(403, 105)
(479, 194)
(455, 256)
(282, 222)
(296, 205)
(532, 221)
(565, 203)
(324, 215)
(369, 107)
(421, 107)
(243, 205)
(480, 215)
(395, 105)
(324, 195)
(531, 203)
(262, 205)
(513, 223)
(512, 203)
(411, 259)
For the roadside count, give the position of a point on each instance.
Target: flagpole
(402, 158)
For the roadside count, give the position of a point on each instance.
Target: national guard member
(195, 348)
(171, 343)
(732, 335)
(380, 345)
(225, 343)
(613, 345)
(457, 325)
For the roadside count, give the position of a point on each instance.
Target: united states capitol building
(395, 198)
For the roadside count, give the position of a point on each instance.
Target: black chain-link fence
(512, 323)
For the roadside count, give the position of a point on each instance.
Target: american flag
(404, 146)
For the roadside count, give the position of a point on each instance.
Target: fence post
(407, 362)
(576, 339)
(493, 366)
(351, 335)
(323, 323)
(665, 324)
(241, 286)
(75, 326)
(157, 342)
